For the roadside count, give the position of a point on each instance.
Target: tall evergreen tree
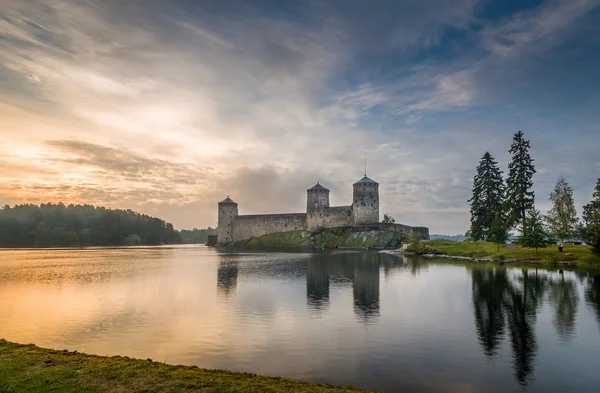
(534, 234)
(519, 195)
(591, 218)
(487, 199)
(562, 218)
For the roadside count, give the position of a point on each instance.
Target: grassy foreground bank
(581, 254)
(27, 368)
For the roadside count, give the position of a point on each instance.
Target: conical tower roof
(366, 180)
(228, 200)
(318, 186)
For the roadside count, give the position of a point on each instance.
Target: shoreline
(572, 256)
(499, 262)
(27, 368)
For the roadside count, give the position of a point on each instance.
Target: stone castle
(363, 214)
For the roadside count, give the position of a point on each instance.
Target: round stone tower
(228, 211)
(365, 205)
(317, 199)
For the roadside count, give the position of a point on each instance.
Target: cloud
(126, 164)
(166, 107)
(535, 30)
(391, 25)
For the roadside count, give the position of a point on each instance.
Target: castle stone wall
(247, 226)
(338, 216)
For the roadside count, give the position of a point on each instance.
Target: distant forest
(85, 225)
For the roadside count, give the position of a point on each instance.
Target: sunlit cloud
(166, 107)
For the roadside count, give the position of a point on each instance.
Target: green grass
(27, 368)
(515, 253)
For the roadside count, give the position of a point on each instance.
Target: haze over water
(372, 320)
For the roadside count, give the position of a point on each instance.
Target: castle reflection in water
(505, 302)
(349, 269)
(322, 271)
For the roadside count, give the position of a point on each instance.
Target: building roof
(366, 180)
(227, 200)
(318, 187)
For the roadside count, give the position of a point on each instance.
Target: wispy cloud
(535, 30)
(166, 106)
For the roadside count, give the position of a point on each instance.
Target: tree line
(498, 206)
(51, 224)
(196, 236)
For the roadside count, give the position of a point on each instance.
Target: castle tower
(365, 201)
(317, 199)
(228, 211)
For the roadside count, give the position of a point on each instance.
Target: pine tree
(487, 199)
(591, 217)
(499, 230)
(534, 234)
(519, 195)
(562, 218)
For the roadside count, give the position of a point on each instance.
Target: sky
(167, 107)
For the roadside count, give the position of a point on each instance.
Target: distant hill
(457, 238)
(49, 225)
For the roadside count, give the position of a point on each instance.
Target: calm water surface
(372, 320)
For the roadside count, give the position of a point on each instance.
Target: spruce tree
(519, 195)
(534, 234)
(591, 218)
(487, 199)
(499, 229)
(562, 218)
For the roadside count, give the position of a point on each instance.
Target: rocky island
(352, 226)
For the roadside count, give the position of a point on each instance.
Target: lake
(368, 319)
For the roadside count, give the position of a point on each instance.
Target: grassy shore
(27, 368)
(514, 253)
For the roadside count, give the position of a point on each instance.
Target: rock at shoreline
(334, 237)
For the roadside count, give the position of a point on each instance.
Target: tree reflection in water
(564, 296)
(489, 288)
(592, 294)
(512, 302)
